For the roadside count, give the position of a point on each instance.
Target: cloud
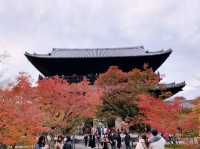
(38, 26)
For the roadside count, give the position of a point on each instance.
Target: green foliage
(72, 126)
(121, 90)
(182, 146)
(111, 122)
(116, 104)
(190, 133)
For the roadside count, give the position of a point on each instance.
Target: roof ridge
(115, 48)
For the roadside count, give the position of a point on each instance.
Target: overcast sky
(40, 25)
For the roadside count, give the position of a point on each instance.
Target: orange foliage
(114, 76)
(20, 118)
(26, 111)
(196, 110)
(62, 102)
(165, 117)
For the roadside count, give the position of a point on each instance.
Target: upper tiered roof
(94, 61)
(99, 52)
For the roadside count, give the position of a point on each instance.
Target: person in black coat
(68, 143)
(105, 142)
(92, 142)
(119, 140)
(86, 140)
(127, 140)
(112, 141)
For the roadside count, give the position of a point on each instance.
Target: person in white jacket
(157, 141)
(143, 143)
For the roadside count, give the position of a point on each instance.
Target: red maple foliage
(166, 117)
(20, 118)
(26, 111)
(115, 77)
(62, 102)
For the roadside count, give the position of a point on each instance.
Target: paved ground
(81, 146)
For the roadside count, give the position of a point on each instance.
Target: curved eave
(50, 66)
(171, 87)
(146, 54)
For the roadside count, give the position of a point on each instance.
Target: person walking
(68, 143)
(92, 141)
(127, 140)
(157, 141)
(119, 140)
(112, 140)
(105, 142)
(86, 140)
(143, 143)
(41, 144)
(59, 142)
(98, 139)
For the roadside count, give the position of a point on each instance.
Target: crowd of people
(102, 140)
(150, 140)
(109, 140)
(110, 137)
(60, 143)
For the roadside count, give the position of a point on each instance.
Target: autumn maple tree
(166, 117)
(63, 102)
(158, 114)
(27, 110)
(121, 91)
(132, 96)
(20, 118)
(196, 111)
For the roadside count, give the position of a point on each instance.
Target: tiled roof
(98, 52)
(170, 85)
